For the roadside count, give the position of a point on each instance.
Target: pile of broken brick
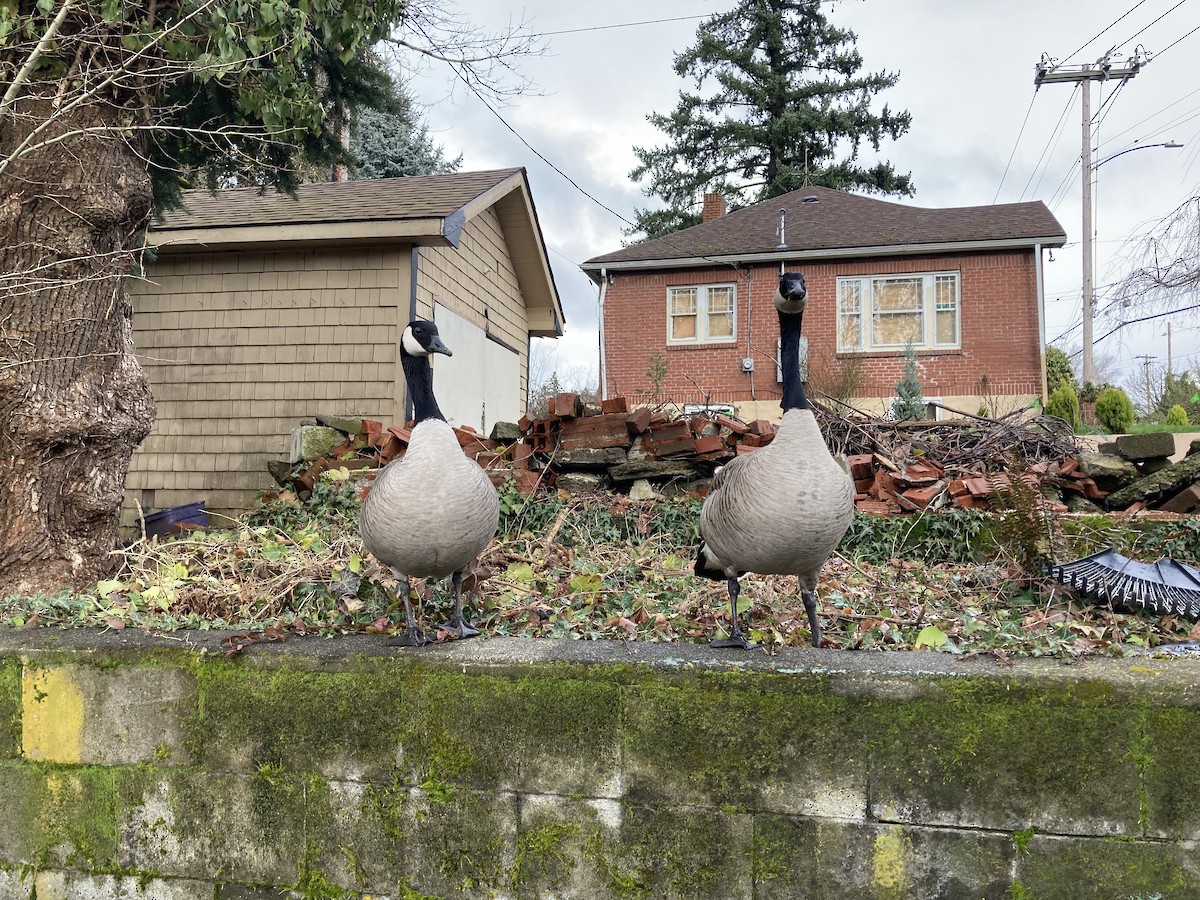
(649, 452)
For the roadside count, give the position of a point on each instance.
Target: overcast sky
(966, 75)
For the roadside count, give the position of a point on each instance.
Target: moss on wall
(407, 776)
(10, 707)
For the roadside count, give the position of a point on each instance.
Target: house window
(698, 315)
(886, 312)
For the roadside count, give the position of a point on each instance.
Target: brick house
(693, 311)
(261, 310)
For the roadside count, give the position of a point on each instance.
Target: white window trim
(702, 315)
(929, 312)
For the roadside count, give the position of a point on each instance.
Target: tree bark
(74, 401)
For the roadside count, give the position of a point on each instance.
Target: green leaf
(931, 636)
(355, 564)
(522, 572)
(586, 584)
(104, 588)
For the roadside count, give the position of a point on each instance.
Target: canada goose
(433, 510)
(782, 509)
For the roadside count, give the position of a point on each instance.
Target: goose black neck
(419, 376)
(789, 360)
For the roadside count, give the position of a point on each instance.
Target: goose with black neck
(433, 510)
(782, 509)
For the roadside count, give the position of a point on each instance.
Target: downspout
(412, 315)
(749, 324)
(1041, 301)
(603, 367)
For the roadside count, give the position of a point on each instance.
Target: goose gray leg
(460, 628)
(736, 638)
(810, 607)
(413, 636)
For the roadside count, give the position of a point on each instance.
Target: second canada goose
(433, 510)
(782, 509)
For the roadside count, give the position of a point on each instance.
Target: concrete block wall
(999, 336)
(510, 768)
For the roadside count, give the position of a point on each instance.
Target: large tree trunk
(74, 402)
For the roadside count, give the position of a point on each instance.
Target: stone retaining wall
(140, 768)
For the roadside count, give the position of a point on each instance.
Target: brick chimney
(714, 207)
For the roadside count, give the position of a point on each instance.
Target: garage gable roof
(427, 210)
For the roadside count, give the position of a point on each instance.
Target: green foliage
(391, 144)
(226, 92)
(1023, 528)
(1177, 415)
(1114, 410)
(1064, 403)
(656, 372)
(1059, 371)
(779, 103)
(909, 404)
(1090, 391)
(1180, 390)
(953, 536)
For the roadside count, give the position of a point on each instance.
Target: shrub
(1114, 409)
(1177, 415)
(1064, 403)
(1058, 370)
(909, 404)
(1090, 392)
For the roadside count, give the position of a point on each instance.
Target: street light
(1089, 369)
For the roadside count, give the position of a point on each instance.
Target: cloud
(967, 79)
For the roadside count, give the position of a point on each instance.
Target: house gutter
(603, 372)
(1041, 302)
(692, 262)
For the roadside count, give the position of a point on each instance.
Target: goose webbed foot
(458, 625)
(412, 636)
(462, 630)
(736, 637)
(810, 607)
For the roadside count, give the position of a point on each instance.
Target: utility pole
(1045, 72)
(1168, 351)
(1146, 360)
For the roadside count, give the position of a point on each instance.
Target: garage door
(480, 384)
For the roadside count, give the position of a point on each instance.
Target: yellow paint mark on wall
(51, 715)
(888, 864)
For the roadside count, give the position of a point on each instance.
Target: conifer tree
(779, 103)
(908, 403)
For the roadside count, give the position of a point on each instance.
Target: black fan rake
(1158, 588)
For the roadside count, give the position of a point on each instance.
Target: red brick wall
(999, 321)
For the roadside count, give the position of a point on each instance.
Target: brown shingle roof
(413, 197)
(838, 222)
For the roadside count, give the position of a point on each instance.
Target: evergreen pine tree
(908, 403)
(395, 142)
(785, 106)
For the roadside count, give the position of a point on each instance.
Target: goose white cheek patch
(411, 345)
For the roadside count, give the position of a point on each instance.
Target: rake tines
(1159, 588)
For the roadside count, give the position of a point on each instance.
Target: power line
(1169, 312)
(1152, 24)
(1014, 149)
(619, 25)
(1176, 41)
(1052, 140)
(1105, 30)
